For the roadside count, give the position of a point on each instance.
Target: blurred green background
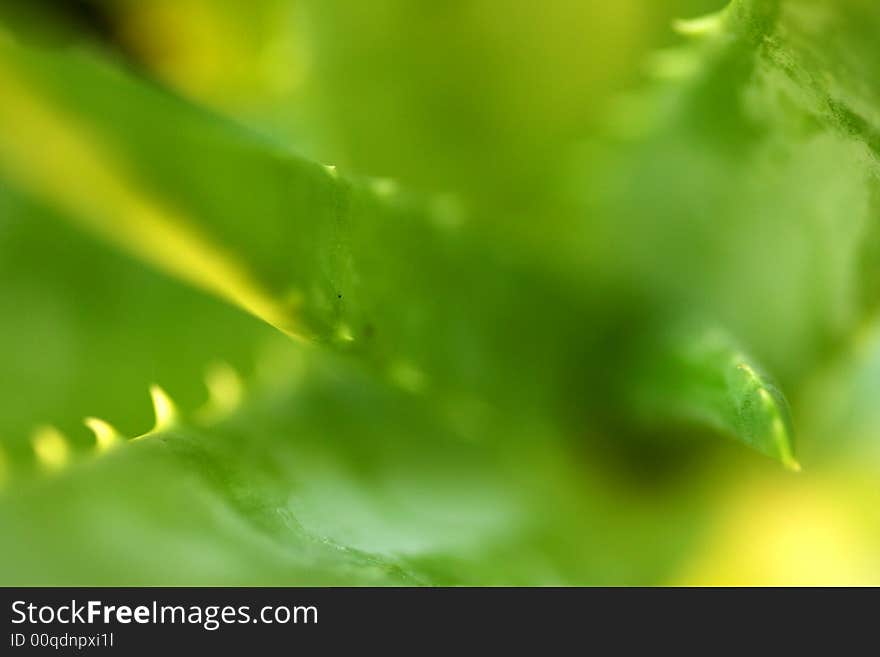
(608, 188)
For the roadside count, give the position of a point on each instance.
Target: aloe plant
(401, 387)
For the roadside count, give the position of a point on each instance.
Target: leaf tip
(780, 432)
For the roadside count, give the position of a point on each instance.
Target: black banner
(285, 620)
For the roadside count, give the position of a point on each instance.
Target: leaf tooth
(700, 26)
(331, 169)
(164, 409)
(51, 448)
(225, 390)
(106, 436)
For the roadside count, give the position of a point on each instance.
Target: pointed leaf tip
(163, 408)
(697, 374)
(106, 436)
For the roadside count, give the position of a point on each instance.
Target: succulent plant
(564, 361)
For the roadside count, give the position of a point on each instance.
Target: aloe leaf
(345, 254)
(698, 376)
(439, 450)
(319, 475)
(84, 330)
(736, 190)
(339, 274)
(328, 478)
(322, 258)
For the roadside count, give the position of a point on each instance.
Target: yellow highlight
(704, 25)
(225, 390)
(51, 448)
(789, 533)
(54, 156)
(106, 437)
(198, 47)
(163, 408)
(780, 435)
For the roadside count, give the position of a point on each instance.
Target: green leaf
(325, 478)
(324, 259)
(85, 330)
(731, 190)
(698, 376)
(450, 429)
